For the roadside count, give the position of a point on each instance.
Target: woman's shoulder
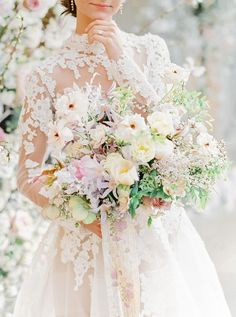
(145, 38)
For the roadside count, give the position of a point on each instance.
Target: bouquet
(109, 158)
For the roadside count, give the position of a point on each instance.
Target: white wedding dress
(161, 271)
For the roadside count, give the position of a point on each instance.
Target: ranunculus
(143, 149)
(79, 208)
(175, 74)
(164, 149)
(207, 143)
(98, 135)
(130, 126)
(161, 123)
(122, 171)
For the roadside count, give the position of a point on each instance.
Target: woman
(162, 271)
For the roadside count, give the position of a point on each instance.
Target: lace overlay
(134, 271)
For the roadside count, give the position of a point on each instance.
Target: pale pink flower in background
(22, 225)
(31, 4)
(2, 135)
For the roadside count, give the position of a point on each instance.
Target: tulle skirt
(133, 271)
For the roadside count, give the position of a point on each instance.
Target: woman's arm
(35, 117)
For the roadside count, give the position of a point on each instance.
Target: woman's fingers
(100, 23)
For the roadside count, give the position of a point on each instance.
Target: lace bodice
(78, 62)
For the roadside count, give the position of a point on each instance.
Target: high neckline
(80, 43)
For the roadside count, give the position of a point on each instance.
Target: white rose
(175, 74)
(207, 143)
(130, 127)
(122, 171)
(161, 123)
(98, 135)
(143, 149)
(164, 149)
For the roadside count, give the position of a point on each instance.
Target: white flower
(124, 199)
(207, 143)
(161, 123)
(98, 135)
(122, 171)
(6, 7)
(197, 71)
(73, 106)
(130, 126)
(175, 74)
(7, 98)
(22, 225)
(59, 134)
(164, 149)
(143, 149)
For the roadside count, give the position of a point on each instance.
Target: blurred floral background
(201, 35)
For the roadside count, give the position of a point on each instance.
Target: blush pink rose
(31, 4)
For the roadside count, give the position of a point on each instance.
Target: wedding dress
(161, 271)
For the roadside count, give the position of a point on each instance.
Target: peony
(164, 149)
(143, 149)
(98, 135)
(122, 171)
(207, 143)
(129, 127)
(59, 134)
(73, 106)
(161, 123)
(175, 74)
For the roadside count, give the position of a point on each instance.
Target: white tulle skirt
(134, 271)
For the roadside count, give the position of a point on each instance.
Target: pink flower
(88, 167)
(2, 135)
(31, 4)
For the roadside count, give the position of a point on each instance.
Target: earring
(72, 5)
(121, 7)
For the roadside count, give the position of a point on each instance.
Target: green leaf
(149, 221)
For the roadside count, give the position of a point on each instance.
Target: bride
(162, 271)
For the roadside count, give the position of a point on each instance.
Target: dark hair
(67, 5)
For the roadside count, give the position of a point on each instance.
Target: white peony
(122, 171)
(175, 74)
(161, 123)
(207, 143)
(130, 126)
(164, 149)
(143, 149)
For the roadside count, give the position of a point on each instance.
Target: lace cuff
(127, 73)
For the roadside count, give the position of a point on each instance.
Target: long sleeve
(33, 125)
(127, 72)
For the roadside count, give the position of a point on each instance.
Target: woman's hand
(106, 32)
(94, 227)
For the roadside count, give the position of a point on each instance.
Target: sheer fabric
(162, 271)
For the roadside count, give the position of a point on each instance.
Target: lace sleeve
(126, 71)
(33, 128)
